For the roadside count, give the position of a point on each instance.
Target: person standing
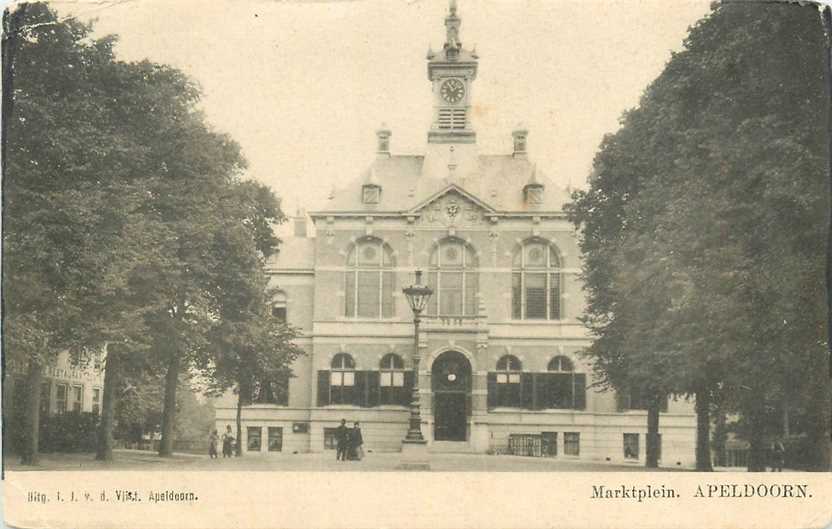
(356, 443)
(213, 440)
(778, 456)
(227, 442)
(342, 441)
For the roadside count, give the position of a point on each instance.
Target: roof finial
(452, 23)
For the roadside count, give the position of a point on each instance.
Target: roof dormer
(371, 190)
(533, 190)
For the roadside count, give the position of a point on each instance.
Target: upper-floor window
(453, 277)
(369, 280)
(508, 388)
(279, 307)
(535, 282)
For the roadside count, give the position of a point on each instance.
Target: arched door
(451, 385)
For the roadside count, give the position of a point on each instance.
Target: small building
(500, 367)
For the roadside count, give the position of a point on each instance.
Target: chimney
(383, 147)
(520, 134)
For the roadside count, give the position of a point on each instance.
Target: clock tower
(451, 72)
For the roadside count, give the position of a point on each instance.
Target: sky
(304, 85)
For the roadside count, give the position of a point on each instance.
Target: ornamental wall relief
(452, 210)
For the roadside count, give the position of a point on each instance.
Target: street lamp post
(417, 297)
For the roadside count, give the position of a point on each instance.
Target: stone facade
(500, 344)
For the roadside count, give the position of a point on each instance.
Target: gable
(452, 206)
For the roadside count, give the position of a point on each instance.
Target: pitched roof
(496, 180)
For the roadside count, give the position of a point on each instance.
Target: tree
(694, 211)
(70, 219)
(249, 348)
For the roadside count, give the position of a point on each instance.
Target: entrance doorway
(451, 386)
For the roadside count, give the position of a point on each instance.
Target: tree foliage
(703, 228)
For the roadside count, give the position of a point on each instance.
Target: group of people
(349, 442)
(227, 443)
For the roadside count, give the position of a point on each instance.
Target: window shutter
(359, 397)
(407, 391)
(492, 390)
(580, 391)
(323, 388)
(372, 388)
(527, 391)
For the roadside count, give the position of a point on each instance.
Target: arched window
(342, 379)
(369, 280)
(391, 380)
(453, 277)
(535, 282)
(564, 389)
(560, 363)
(509, 391)
(279, 307)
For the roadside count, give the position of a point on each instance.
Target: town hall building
(499, 345)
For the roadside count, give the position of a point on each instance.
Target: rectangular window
(630, 446)
(275, 439)
(77, 398)
(60, 398)
(535, 296)
(329, 439)
(45, 397)
(253, 438)
(549, 444)
(341, 387)
(572, 443)
(368, 294)
(509, 390)
(391, 387)
(279, 313)
(96, 401)
(560, 390)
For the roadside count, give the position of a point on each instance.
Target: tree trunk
(169, 411)
(30, 450)
(238, 450)
(112, 381)
(757, 424)
(819, 411)
(652, 459)
(720, 437)
(703, 430)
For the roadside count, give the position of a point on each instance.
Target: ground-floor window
(572, 443)
(60, 398)
(77, 398)
(549, 444)
(330, 441)
(367, 389)
(254, 433)
(275, 439)
(630, 446)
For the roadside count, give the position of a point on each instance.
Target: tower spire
(452, 23)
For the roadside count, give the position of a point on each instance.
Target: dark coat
(341, 434)
(355, 437)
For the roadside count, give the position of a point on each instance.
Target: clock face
(452, 90)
